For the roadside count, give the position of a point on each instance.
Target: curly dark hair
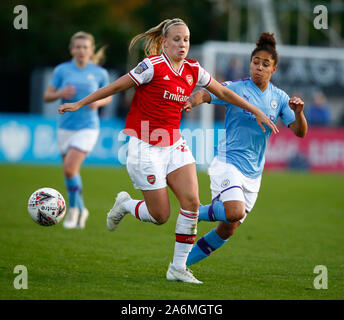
(267, 43)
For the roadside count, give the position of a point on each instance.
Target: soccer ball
(47, 207)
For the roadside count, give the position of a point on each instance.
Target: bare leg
(72, 162)
(158, 204)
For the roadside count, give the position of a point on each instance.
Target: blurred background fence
(223, 34)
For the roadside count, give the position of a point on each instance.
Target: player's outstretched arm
(299, 126)
(231, 97)
(121, 84)
(195, 99)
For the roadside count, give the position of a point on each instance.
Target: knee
(195, 204)
(191, 203)
(160, 216)
(161, 220)
(69, 171)
(235, 214)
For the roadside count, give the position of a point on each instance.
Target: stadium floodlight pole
(269, 19)
(207, 110)
(209, 63)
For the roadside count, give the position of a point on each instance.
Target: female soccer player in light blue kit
(236, 171)
(78, 131)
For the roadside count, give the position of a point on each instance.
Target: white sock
(139, 210)
(186, 230)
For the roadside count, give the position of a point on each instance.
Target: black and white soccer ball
(47, 206)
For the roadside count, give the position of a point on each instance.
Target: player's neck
(262, 86)
(80, 64)
(176, 65)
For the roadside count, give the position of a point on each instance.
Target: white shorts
(149, 165)
(83, 140)
(228, 183)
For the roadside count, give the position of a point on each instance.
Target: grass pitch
(297, 224)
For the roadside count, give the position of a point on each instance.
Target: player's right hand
(69, 107)
(68, 92)
(186, 107)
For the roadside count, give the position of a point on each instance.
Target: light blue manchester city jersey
(85, 81)
(245, 143)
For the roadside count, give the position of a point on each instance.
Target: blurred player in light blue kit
(78, 131)
(236, 171)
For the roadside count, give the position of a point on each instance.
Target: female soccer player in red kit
(157, 154)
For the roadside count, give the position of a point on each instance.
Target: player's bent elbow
(46, 98)
(300, 133)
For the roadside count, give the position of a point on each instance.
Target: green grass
(297, 224)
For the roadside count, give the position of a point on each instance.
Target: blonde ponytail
(98, 56)
(153, 37)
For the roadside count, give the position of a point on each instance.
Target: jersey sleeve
(204, 78)
(105, 80)
(57, 78)
(215, 100)
(287, 114)
(142, 73)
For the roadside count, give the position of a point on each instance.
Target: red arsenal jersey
(160, 93)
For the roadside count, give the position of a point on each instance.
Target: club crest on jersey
(151, 178)
(90, 77)
(273, 104)
(225, 183)
(140, 68)
(189, 79)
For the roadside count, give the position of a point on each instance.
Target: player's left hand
(296, 104)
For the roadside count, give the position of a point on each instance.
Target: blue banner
(33, 139)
